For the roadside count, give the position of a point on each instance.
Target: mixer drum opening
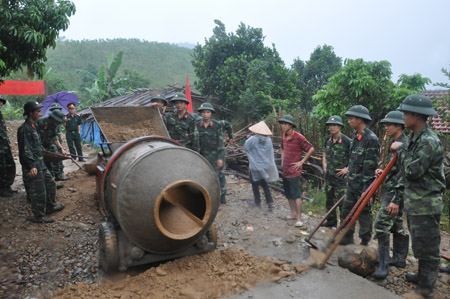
(182, 210)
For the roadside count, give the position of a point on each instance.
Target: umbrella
(63, 98)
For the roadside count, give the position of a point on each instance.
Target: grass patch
(318, 205)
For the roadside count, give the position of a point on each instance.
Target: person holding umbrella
(73, 137)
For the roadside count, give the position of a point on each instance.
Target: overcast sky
(412, 35)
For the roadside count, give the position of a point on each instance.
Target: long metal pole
(360, 208)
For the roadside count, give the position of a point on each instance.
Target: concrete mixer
(159, 199)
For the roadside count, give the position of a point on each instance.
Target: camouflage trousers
(334, 192)
(364, 219)
(385, 223)
(41, 191)
(7, 168)
(55, 168)
(212, 159)
(425, 236)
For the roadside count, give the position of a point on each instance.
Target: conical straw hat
(261, 128)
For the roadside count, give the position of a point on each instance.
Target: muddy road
(260, 254)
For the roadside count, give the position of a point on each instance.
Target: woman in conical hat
(262, 166)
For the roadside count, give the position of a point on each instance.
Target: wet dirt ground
(260, 254)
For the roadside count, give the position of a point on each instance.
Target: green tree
(242, 71)
(365, 83)
(315, 73)
(447, 74)
(105, 84)
(133, 80)
(27, 29)
(413, 82)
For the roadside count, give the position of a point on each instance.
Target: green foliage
(315, 73)
(160, 64)
(27, 29)
(414, 82)
(241, 71)
(447, 74)
(358, 82)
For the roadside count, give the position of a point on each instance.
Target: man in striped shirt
(292, 147)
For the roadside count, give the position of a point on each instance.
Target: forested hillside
(160, 63)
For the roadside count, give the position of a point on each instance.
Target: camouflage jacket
(227, 128)
(364, 156)
(394, 183)
(4, 140)
(422, 166)
(182, 129)
(30, 147)
(337, 155)
(48, 134)
(211, 141)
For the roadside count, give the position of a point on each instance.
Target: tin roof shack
(90, 131)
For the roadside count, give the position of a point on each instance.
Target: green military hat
(55, 106)
(417, 103)
(179, 96)
(359, 111)
(206, 106)
(31, 107)
(335, 120)
(159, 97)
(394, 117)
(287, 119)
(57, 115)
(3, 100)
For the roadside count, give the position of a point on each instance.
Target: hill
(161, 63)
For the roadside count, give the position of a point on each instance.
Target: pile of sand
(209, 275)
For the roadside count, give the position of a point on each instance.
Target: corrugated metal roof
(142, 97)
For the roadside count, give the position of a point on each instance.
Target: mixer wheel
(212, 235)
(109, 250)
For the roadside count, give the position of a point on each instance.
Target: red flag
(11, 87)
(188, 95)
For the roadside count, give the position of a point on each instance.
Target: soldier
(421, 161)
(58, 167)
(181, 124)
(292, 146)
(7, 165)
(39, 183)
(335, 159)
(211, 142)
(364, 156)
(389, 218)
(227, 128)
(72, 125)
(159, 101)
(47, 128)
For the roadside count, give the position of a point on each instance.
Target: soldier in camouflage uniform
(422, 165)
(73, 137)
(38, 181)
(47, 128)
(364, 156)
(7, 165)
(227, 128)
(58, 167)
(389, 218)
(181, 124)
(211, 142)
(335, 159)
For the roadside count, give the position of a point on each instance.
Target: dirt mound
(210, 275)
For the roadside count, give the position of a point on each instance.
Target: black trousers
(256, 194)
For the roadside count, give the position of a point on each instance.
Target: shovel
(308, 239)
(366, 197)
